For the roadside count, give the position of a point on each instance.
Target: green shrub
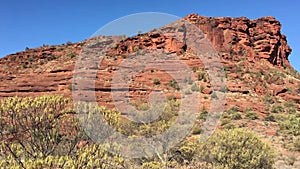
(235, 116)
(44, 132)
(268, 99)
(203, 114)
(70, 87)
(71, 55)
(152, 165)
(197, 129)
(202, 76)
(277, 109)
(290, 107)
(136, 48)
(156, 81)
(173, 83)
(88, 156)
(251, 115)
(237, 148)
(229, 126)
(291, 125)
(233, 113)
(201, 88)
(185, 152)
(270, 117)
(297, 144)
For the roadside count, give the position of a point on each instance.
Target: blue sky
(33, 23)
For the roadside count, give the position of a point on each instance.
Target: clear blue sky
(33, 23)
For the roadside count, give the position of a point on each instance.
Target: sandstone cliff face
(257, 39)
(245, 46)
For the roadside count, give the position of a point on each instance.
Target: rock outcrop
(246, 46)
(257, 39)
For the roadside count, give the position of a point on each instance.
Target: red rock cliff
(258, 39)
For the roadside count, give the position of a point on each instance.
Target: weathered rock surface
(255, 39)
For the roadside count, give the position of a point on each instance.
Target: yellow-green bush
(44, 132)
(89, 156)
(237, 148)
(291, 125)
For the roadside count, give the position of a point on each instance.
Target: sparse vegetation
(250, 114)
(203, 114)
(297, 144)
(268, 99)
(136, 48)
(156, 81)
(291, 125)
(202, 76)
(270, 117)
(277, 108)
(70, 87)
(71, 55)
(232, 113)
(237, 148)
(173, 83)
(201, 89)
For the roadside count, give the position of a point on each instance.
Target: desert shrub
(70, 87)
(88, 156)
(156, 81)
(152, 165)
(71, 55)
(232, 113)
(229, 126)
(237, 148)
(203, 114)
(197, 129)
(277, 108)
(297, 144)
(233, 109)
(268, 99)
(37, 124)
(43, 132)
(291, 125)
(251, 115)
(236, 116)
(270, 117)
(185, 152)
(290, 107)
(136, 48)
(225, 121)
(202, 76)
(173, 83)
(201, 88)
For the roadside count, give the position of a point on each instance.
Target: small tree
(237, 148)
